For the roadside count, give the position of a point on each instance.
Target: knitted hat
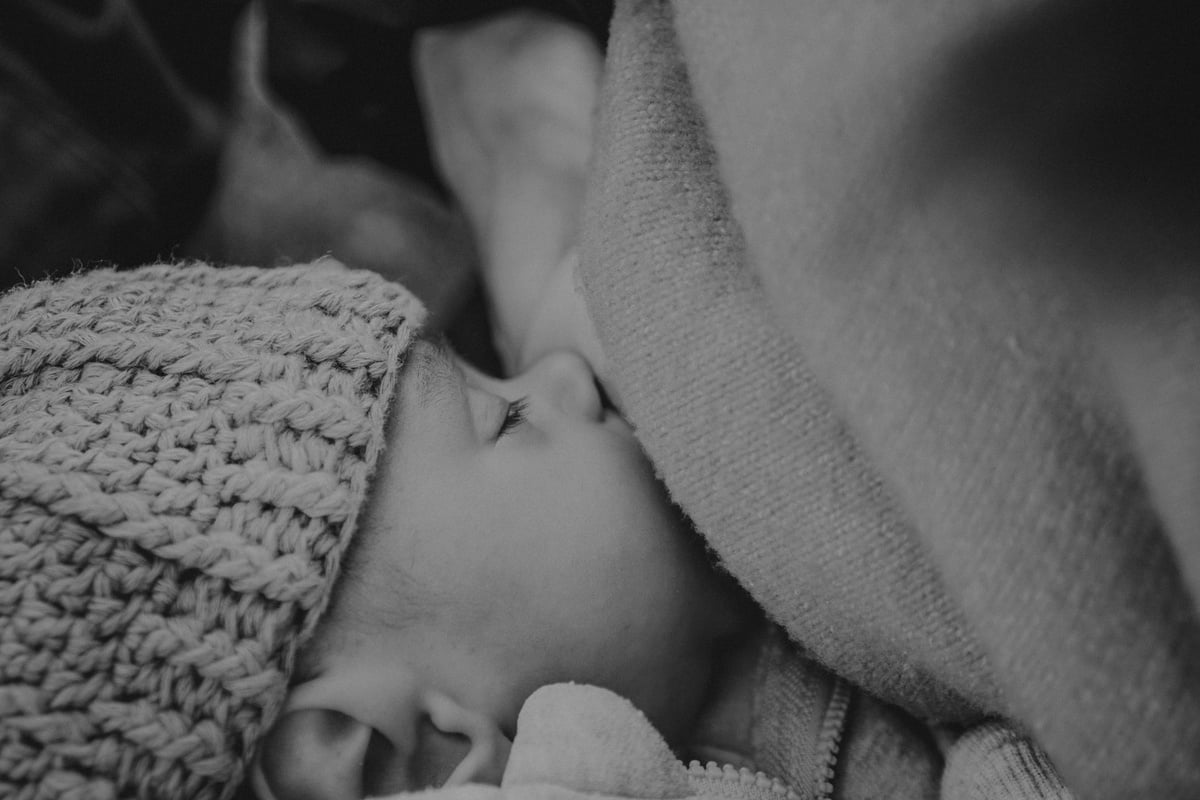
(183, 453)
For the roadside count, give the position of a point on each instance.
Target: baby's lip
(614, 421)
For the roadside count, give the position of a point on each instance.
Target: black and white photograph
(599, 400)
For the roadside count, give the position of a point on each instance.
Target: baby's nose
(570, 385)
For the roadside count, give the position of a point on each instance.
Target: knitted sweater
(813, 731)
(911, 439)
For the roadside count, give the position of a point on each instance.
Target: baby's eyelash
(514, 417)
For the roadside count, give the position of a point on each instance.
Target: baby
(516, 537)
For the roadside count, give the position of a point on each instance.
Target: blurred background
(236, 132)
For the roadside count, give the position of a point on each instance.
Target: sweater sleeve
(991, 761)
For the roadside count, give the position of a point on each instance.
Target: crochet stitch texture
(183, 453)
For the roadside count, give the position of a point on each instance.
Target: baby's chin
(704, 680)
(679, 706)
(722, 730)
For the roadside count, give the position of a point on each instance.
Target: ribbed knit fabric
(790, 707)
(183, 454)
(993, 762)
(828, 740)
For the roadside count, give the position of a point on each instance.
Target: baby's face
(523, 540)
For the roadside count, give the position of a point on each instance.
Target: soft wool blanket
(883, 357)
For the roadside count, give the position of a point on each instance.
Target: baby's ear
(312, 753)
(338, 747)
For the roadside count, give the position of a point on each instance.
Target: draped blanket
(897, 382)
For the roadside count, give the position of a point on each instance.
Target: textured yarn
(183, 454)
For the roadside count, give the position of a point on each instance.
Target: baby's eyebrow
(433, 371)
